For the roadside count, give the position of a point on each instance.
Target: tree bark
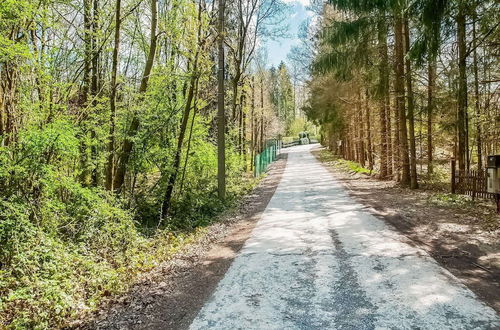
(411, 109)
(430, 111)
(110, 167)
(462, 86)
(261, 113)
(180, 140)
(400, 99)
(89, 16)
(369, 151)
(252, 126)
(87, 40)
(221, 115)
(396, 145)
(241, 140)
(477, 106)
(94, 90)
(382, 89)
(9, 87)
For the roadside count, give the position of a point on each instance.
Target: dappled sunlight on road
(318, 259)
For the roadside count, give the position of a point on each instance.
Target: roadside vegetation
(403, 87)
(108, 139)
(331, 159)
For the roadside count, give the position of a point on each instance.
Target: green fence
(266, 157)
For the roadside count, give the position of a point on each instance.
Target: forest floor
(461, 234)
(170, 296)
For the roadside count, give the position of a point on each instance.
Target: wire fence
(266, 157)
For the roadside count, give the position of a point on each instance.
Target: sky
(278, 49)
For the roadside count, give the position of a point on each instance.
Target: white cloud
(302, 2)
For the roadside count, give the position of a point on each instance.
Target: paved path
(317, 260)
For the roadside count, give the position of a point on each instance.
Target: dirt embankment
(465, 240)
(170, 296)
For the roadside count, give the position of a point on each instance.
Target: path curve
(318, 260)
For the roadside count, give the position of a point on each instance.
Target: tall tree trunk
(252, 126)
(87, 40)
(2, 129)
(94, 91)
(462, 86)
(261, 113)
(390, 143)
(369, 146)
(430, 111)
(411, 109)
(221, 115)
(399, 64)
(110, 167)
(382, 89)
(396, 146)
(234, 97)
(188, 150)
(180, 141)
(360, 130)
(240, 125)
(192, 91)
(39, 56)
(128, 142)
(8, 92)
(479, 144)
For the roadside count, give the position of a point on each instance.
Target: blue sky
(277, 50)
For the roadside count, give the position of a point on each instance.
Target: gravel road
(317, 260)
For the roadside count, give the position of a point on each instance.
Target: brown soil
(465, 240)
(170, 296)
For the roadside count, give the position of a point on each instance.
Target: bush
(64, 246)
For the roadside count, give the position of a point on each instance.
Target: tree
(110, 167)
(462, 130)
(383, 94)
(411, 107)
(221, 115)
(128, 142)
(193, 84)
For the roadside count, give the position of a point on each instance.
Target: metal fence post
(256, 165)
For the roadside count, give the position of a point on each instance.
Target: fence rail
(291, 144)
(471, 183)
(266, 157)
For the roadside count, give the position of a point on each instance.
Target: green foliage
(282, 96)
(328, 157)
(65, 241)
(352, 166)
(65, 246)
(450, 200)
(299, 125)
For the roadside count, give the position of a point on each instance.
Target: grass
(450, 200)
(330, 159)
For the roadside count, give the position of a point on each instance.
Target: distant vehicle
(304, 138)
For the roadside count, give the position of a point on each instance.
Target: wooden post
(475, 177)
(453, 167)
